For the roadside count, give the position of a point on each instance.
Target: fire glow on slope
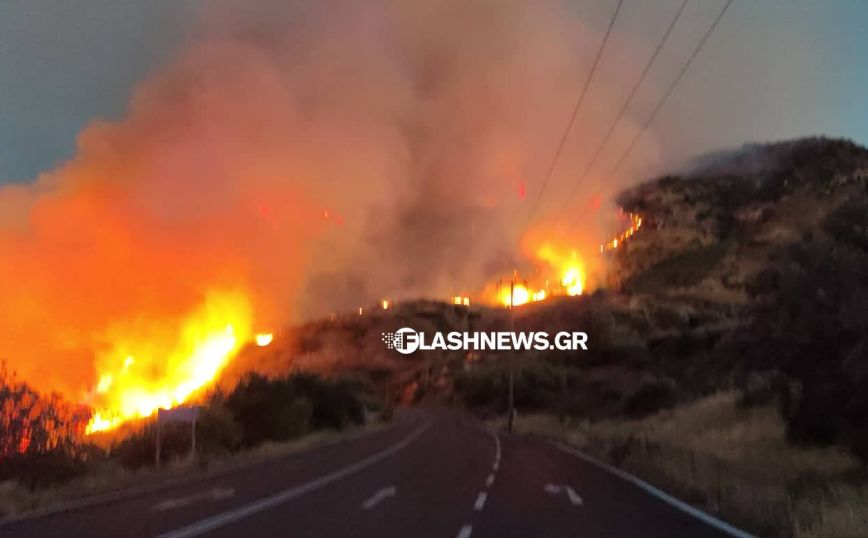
(568, 267)
(558, 274)
(191, 353)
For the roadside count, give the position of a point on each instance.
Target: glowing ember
(192, 351)
(385, 304)
(263, 339)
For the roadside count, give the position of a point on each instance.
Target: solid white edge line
(705, 517)
(214, 522)
(480, 501)
(465, 531)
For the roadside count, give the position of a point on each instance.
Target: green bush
(538, 385)
(283, 408)
(483, 387)
(45, 468)
(257, 410)
(217, 430)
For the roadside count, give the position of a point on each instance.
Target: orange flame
(620, 239)
(520, 295)
(569, 268)
(191, 352)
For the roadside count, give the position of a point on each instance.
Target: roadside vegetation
(730, 458)
(259, 419)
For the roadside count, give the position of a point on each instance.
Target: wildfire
(459, 300)
(553, 266)
(519, 295)
(572, 281)
(264, 339)
(161, 365)
(568, 267)
(635, 223)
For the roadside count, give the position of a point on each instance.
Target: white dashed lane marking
(479, 504)
(480, 501)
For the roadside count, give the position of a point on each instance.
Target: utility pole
(157, 445)
(511, 402)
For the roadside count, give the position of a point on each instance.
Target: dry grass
(112, 479)
(733, 461)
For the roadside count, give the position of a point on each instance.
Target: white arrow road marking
(555, 489)
(574, 497)
(375, 499)
(215, 494)
(221, 520)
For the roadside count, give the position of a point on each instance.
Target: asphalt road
(434, 474)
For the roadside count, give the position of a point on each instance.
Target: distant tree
(33, 423)
(40, 436)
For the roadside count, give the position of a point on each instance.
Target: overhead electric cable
(575, 113)
(622, 111)
(650, 119)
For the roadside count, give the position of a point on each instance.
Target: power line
(621, 112)
(650, 119)
(575, 113)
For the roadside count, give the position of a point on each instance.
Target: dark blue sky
(775, 69)
(62, 65)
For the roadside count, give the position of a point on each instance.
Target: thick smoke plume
(313, 157)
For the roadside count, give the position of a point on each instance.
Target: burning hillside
(289, 163)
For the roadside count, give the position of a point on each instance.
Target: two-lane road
(437, 474)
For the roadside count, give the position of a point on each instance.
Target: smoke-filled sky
(793, 67)
(309, 157)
